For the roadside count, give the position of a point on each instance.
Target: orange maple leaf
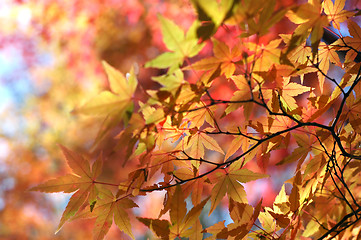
(354, 42)
(230, 182)
(82, 181)
(223, 58)
(198, 141)
(109, 207)
(181, 223)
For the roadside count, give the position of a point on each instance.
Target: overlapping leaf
(212, 13)
(267, 17)
(290, 90)
(109, 208)
(199, 141)
(353, 43)
(264, 56)
(242, 94)
(223, 57)
(230, 182)
(310, 21)
(182, 224)
(197, 118)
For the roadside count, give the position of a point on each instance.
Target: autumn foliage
(238, 101)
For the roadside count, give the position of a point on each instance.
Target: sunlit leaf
(83, 183)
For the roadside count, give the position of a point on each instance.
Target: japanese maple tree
(237, 98)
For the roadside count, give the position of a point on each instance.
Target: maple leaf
(246, 217)
(200, 140)
(170, 81)
(116, 101)
(243, 216)
(264, 56)
(195, 187)
(230, 182)
(242, 94)
(279, 90)
(310, 20)
(82, 181)
(237, 143)
(354, 113)
(181, 224)
(211, 13)
(109, 207)
(112, 105)
(151, 114)
(279, 123)
(241, 213)
(215, 229)
(267, 221)
(294, 197)
(311, 228)
(281, 203)
(162, 161)
(351, 44)
(267, 17)
(197, 118)
(279, 216)
(288, 91)
(335, 12)
(326, 54)
(167, 139)
(224, 58)
(300, 153)
(180, 45)
(168, 131)
(300, 53)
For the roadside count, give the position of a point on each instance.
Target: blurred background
(50, 62)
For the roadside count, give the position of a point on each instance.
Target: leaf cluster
(192, 141)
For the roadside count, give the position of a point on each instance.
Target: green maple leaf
(180, 45)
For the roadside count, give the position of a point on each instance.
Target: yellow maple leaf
(289, 91)
(224, 57)
(310, 21)
(112, 102)
(199, 141)
(112, 105)
(335, 12)
(230, 183)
